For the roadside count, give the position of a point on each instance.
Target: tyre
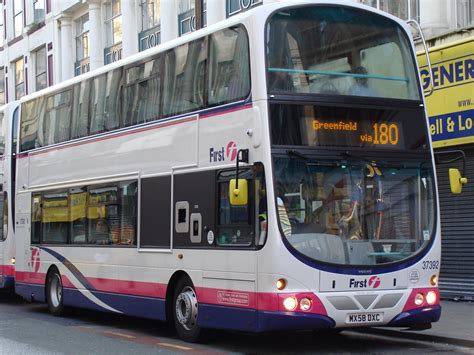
(54, 293)
(185, 311)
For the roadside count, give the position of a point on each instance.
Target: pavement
(456, 326)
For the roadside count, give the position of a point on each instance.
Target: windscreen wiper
(347, 154)
(296, 154)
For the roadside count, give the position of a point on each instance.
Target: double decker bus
(270, 172)
(8, 115)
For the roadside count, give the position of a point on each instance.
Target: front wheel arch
(170, 293)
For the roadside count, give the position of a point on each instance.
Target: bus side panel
(151, 308)
(155, 213)
(197, 191)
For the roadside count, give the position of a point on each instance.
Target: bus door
(205, 218)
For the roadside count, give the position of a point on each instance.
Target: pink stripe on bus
(262, 301)
(9, 270)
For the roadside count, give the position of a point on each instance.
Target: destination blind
(321, 126)
(359, 133)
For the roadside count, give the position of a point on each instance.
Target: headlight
(431, 298)
(419, 299)
(305, 304)
(290, 303)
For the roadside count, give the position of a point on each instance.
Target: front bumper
(417, 316)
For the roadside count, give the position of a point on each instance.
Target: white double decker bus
(270, 172)
(7, 188)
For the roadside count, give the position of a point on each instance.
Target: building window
(40, 68)
(50, 70)
(38, 10)
(234, 7)
(185, 6)
(150, 34)
(372, 3)
(82, 45)
(150, 14)
(114, 23)
(18, 17)
(19, 66)
(113, 51)
(2, 86)
(404, 9)
(187, 16)
(465, 13)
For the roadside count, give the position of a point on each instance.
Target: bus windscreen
(339, 51)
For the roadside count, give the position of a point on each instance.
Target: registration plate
(363, 318)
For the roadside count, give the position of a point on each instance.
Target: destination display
(355, 133)
(345, 127)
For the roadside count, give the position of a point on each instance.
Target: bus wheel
(54, 293)
(185, 311)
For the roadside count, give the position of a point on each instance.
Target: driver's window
(234, 222)
(244, 225)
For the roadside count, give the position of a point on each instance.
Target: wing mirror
(456, 178)
(456, 181)
(238, 188)
(238, 192)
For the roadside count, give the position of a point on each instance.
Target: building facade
(44, 42)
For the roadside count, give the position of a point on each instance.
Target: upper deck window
(339, 51)
(204, 73)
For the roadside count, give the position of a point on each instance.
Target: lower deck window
(98, 214)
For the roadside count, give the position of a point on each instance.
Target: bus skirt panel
(7, 282)
(137, 306)
(209, 315)
(417, 316)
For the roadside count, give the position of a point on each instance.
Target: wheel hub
(186, 308)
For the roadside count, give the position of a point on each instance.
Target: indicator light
(434, 280)
(281, 284)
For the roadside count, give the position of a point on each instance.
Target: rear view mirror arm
(242, 156)
(462, 156)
